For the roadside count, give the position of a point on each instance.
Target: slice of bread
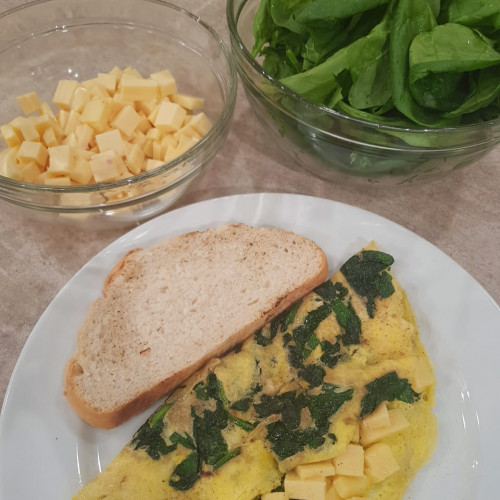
(169, 308)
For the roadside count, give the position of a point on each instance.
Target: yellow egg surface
(300, 390)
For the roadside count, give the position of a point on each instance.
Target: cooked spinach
(386, 388)
(186, 473)
(322, 406)
(405, 62)
(366, 273)
(149, 436)
(186, 440)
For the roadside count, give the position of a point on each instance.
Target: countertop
(459, 214)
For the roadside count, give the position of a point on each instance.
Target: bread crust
(107, 419)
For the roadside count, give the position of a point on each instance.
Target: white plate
(47, 452)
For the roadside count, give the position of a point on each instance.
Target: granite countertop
(459, 214)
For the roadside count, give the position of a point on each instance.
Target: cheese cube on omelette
(294, 393)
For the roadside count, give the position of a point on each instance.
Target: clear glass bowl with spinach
(372, 90)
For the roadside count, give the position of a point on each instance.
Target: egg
(340, 380)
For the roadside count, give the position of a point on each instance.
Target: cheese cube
(154, 133)
(61, 160)
(138, 89)
(24, 127)
(62, 118)
(380, 462)
(398, 422)
(139, 139)
(186, 143)
(80, 98)
(81, 171)
(8, 166)
(116, 72)
(135, 159)
(96, 113)
(70, 140)
(127, 121)
(379, 417)
(29, 102)
(348, 486)
(98, 90)
(72, 121)
(111, 140)
(157, 150)
(423, 375)
(33, 151)
(188, 101)
(166, 82)
(147, 107)
(201, 123)
(10, 135)
(64, 94)
(61, 180)
(144, 125)
(170, 117)
(351, 462)
(331, 492)
(30, 171)
(108, 82)
(45, 109)
(152, 164)
(84, 136)
(49, 138)
(305, 489)
(42, 123)
(188, 131)
(315, 469)
(106, 166)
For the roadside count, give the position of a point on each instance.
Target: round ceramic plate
(47, 452)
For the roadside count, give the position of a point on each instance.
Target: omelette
(331, 400)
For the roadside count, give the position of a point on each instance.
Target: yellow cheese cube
(84, 136)
(111, 140)
(72, 121)
(8, 165)
(139, 138)
(157, 150)
(61, 180)
(88, 84)
(81, 171)
(108, 82)
(61, 160)
(135, 159)
(64, 94)
(423, 376)
(147, 107)
(116, 72)
(129, 71)
(144, 125)
(348, 486)
(148, 148)
(42, 123)
(379, 417)
(170, 117)
(30, 171)
(201, 123)
(398, 422)
(29, 102)
(186, 143)
(305, 489)
(351, 462)
(10, 135)
(127, 121)
(106, 166)
(80, 98)
(331, 492)
(49, 138)
(276, 495)
(316, 469)
(171, 154)
(166, 82)
(24, 127)
(188, 101)
(62, 118)
(380, 462)
(45, 109)
(33, 151)
(98, 90)
(188, 131)
(152, 164)
(96, 113)
(70, 140)
(154, 133)
(138, 89)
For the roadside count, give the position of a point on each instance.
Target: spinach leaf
(386, 388)
(327, 403)
(473, 13)
(186, 473)
(440, 60)
(149, 435)
(365, 272)
(319, 10)
(186, 440)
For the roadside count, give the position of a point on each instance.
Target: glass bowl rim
(216, 129)
(233, 16)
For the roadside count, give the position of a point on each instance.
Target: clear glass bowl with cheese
(110, 109)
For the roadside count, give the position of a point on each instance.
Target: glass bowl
(336, 147)
(45, 41)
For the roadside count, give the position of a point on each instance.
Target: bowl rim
(216, 129)
(232, 20)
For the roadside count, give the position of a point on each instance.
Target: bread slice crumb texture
(167, 309)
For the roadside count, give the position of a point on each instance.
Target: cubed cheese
(96, 113)
(30, 171)
(170, 117)
(111, 140)
(61, 159)
(423, 375)
(276, 495)
(316, 469)
(106, 166)
(24, 127)
(348, 486)
(64, 94)
(135, 159)
(166, 82)
(108, 82)
(398, 422)
(380, 462)
(351, 462)
(29, 102)
(81, 171)
(305, 489)
(33, 151)
(188, 101)
(138, 89)
(80, 98)
(10, 136)
(127, 121)
(61, 180)
(379, 417)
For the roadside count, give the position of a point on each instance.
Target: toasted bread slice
(169, 308)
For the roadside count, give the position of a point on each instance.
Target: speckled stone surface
(459, 214)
